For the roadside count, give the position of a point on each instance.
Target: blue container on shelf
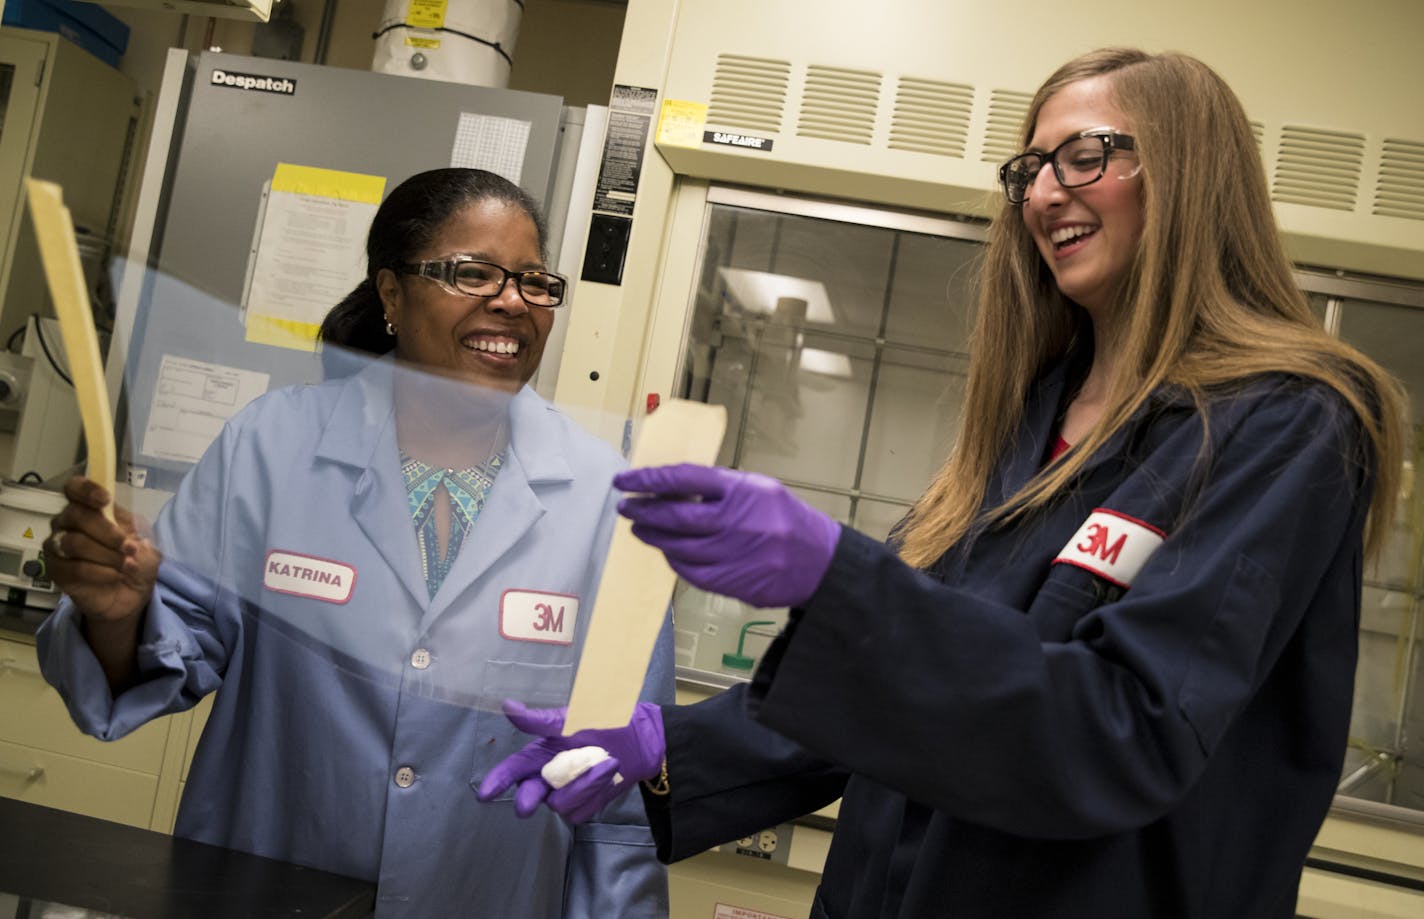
(88, 25)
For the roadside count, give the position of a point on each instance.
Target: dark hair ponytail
(358, 322)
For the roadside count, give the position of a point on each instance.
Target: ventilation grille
(1318, 168)
(749, 92)
(1006, 115)
(1315, 167)
(839, 104)
(931, 117)
(1400, 191)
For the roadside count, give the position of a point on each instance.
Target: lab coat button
(420, 659)
(405, 776)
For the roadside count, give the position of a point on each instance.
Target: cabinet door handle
(26, 774)
(19, 665)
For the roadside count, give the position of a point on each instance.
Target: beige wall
(566, 47)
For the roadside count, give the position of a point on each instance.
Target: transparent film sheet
(277, 481)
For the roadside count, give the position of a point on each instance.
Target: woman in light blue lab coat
(362, 570)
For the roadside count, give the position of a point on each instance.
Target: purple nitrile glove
(635, 752)
(739, 534)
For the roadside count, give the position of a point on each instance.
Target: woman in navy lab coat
(1104, 667)
(362, 570)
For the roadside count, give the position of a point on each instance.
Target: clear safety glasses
(474, 278)
(1078, 161)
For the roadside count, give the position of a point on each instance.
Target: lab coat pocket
(536, 685)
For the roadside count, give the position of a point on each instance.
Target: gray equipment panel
(227, 144)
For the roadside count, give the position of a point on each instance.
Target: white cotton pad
(570, 764)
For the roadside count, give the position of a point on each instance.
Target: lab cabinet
(45, 759)
(66, 117)
(836, 338)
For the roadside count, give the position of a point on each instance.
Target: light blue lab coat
(355, 716)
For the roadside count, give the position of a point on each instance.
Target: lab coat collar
(361, 434)
(365, 407)
(1047, 401)
(363, 411)
(1026, 452)
(539, 438)
(538, 455)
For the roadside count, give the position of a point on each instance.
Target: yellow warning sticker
(680, 123)
(426, 14)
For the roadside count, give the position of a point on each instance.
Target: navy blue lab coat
(1014, 737)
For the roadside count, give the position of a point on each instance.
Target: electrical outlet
(772, 845)
(607, 249)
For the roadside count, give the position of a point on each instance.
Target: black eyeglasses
(1079, 160)
(474, 278)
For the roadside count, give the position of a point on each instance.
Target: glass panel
(838, 350)
(799, 383)
(849, 264)
(876, 518)
(709, 631)
(913, 421)
(1385, 762)
(932, 298)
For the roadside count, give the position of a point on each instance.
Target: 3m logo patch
(1111, 545)
(536, 615)
(308, 576)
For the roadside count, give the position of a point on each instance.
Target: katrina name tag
(1112, 545)
(537, 615)
(308, 576)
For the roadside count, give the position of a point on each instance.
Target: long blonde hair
(1208, 302)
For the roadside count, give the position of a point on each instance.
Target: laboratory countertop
(53, 856)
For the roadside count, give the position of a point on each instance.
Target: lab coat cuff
(659, 821)
(69, 665)
(71, 668)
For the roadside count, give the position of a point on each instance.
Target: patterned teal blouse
(467, 489)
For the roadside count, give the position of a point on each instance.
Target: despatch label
(308, 576)
(282, 86)
(537, 615)
(1113, 546)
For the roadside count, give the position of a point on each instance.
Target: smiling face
(495, 341)
(1088, 235)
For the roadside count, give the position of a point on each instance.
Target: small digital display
(10, 562)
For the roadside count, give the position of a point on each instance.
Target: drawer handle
(19, 665)
(27, 774)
